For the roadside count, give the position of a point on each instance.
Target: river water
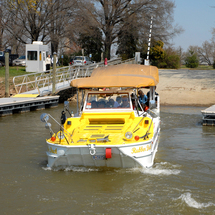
(180, 182)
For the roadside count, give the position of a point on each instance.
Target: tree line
(97, 26)
(170, 57)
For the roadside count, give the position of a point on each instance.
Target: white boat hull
(139, 154)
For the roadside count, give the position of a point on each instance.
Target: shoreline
(186, 88)
(176, 88)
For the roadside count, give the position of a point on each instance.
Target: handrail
(37, 80)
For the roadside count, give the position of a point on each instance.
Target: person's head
(49, 55)
(111, 102)
(119, 99)
(132, 96)
(93, 104)
(124, 101)
(140, 92)
(101, 104)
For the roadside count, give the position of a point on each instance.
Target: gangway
(41, 82)
(33, 89)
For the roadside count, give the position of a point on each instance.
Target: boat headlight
(128, 135)
(60, 135)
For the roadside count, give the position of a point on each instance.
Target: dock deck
(208, 116)
(9, 106)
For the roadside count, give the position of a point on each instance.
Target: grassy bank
(13, 71)
(200, 67)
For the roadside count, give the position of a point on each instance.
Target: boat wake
(186, 197)
(163, 168)
(72, 169)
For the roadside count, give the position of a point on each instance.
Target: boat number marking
(52, 151)
(141, 149)
(98, 157)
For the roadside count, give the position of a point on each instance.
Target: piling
(7, 74)
(54, 74)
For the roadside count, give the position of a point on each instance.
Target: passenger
(125, 102)
(110, 103)
(101, 104)
(118, 101)
(133, 101)
(142, 98)
(94, 104)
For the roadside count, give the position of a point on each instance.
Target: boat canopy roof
(123, 75)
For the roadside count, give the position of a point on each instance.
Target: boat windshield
(107, 100)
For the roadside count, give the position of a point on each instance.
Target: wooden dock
(9, 106)
(208, 116)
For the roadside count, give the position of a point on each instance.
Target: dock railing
(64, 75)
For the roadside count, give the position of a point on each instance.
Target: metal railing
(64, 75)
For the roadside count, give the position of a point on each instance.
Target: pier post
(54, 74)
(7, 74)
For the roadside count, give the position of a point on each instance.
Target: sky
(197, 18)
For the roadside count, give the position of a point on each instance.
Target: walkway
(41, 83)
(33, 89)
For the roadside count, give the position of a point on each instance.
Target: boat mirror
(44, 117)
(48, 125)
(152, 104)
(66, 104)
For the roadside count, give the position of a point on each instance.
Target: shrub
(214, 65)
(192, 61)
(66, 60)
(170, 60)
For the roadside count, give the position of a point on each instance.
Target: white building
(36, 54)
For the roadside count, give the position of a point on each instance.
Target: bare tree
(33, 20)
(206, 53)
(111, 15)
(1, 25)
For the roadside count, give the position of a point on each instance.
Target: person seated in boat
(133, 101)
(101, 104)
(118, 101)
(125, 103)
(142, 98)
(94, 104)
(110, 103)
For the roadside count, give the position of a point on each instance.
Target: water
(181, 181)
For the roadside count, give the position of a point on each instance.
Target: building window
(32, 55)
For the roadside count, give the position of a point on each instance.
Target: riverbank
(187, 87)
(176, 87)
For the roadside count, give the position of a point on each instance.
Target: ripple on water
(191, 202)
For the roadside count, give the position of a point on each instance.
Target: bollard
(7, 74)
(54, 74)
(105, 62)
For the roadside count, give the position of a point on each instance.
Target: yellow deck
(91, 128)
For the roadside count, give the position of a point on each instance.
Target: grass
(200, 67)
(13, 71)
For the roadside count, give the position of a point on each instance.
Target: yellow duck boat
(111, 128)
